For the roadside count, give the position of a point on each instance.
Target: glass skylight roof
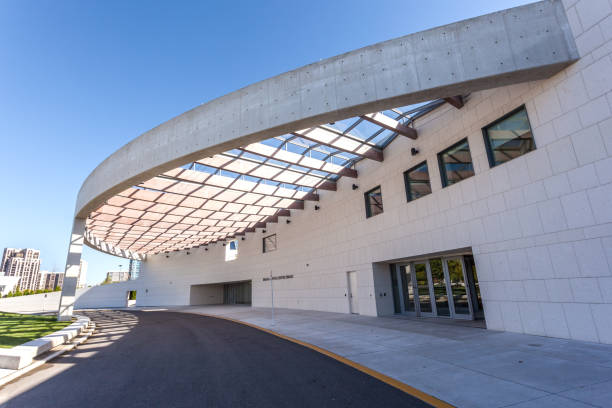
(229, 194)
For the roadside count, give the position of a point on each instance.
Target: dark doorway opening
(238, 293)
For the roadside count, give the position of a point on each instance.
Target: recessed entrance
(444, 287)
(225, 293)
(238, 293)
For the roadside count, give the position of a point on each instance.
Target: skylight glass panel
(204, 168)
(252, 156)
(343, 125)
(294, 148)
(382, 137)
(364, 130)
(277, 162)
(272, 142)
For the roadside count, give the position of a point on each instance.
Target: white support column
(72, 270)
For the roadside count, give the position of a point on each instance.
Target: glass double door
(436, 287)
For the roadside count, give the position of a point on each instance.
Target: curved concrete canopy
(515, 45)
(237, 191)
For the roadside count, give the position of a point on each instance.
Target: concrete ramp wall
(43, 302)
(111, 295)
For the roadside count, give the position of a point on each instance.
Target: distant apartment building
(82, 280)
(22, 263)
(50, 280)
(117, 276)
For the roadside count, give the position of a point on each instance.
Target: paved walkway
(167, 359)
(465, 366)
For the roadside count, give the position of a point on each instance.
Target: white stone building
(462, 172)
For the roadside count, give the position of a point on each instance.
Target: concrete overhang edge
(534, 42)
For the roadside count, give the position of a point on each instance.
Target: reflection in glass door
(446, 287)
(407, 288)
(458, 288)
(474, 287)
(439, 287)
(422, 283)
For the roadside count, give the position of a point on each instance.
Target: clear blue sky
(79, 79)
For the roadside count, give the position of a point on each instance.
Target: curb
(57, 351)
(430, 399)
(20, 356)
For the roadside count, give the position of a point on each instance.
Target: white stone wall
(43, 302)
(111, 295)
(540, 226)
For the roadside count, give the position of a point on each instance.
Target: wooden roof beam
(384, 121)
(456, 101)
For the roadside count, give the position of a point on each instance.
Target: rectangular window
(373, 202)
(508, 137)
(269, 243)
(231, 250)
(417, 182)
(456, 163)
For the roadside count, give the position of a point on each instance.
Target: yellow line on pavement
(430, 399)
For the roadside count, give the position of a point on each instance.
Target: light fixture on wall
(264, 231)
(206, 249)
(243, 238)
(355, 187)
(317, 208)
(414, 151)
(224, 244)
(288, 221)
(187, 252)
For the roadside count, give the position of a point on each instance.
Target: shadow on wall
(111, 295)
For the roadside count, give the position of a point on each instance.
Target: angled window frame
(269, 248)
(487, 140)
(442, 168)
(407, 182)
(368, 206)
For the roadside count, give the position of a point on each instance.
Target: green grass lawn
(16, 329)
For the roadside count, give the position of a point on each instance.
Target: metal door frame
(468, 291)
(410, 266)
(400, 283)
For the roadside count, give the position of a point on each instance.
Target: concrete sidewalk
(462, 365)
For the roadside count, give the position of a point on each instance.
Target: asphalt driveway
(167, 359)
